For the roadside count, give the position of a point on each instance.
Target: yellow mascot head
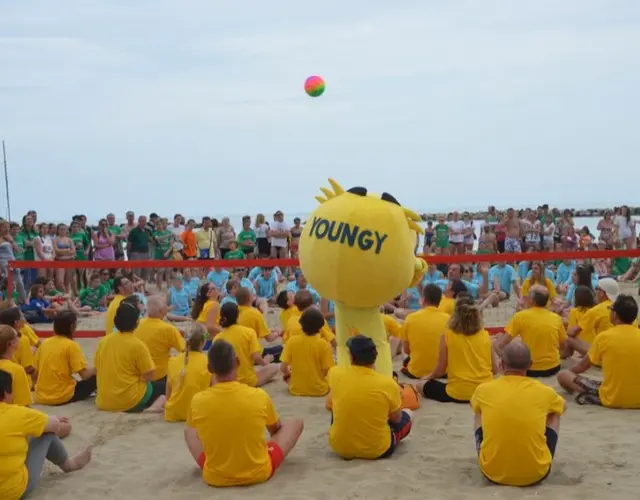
(358, 248)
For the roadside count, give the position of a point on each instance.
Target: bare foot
(157, 406)
(78, 461)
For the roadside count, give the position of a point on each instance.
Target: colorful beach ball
(314, 86)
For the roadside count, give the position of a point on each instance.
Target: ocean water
(580, 222)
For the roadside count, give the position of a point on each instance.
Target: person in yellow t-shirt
(23, 355)
(285, 301)
(246, 345)
(466, 356)
(206, 308)
(160, 337)
(187, 375)
(367, 419)
(125, 369)
(57, 359)
(9, 344)
(584, 299)
(596, 319)
(617, 351)
(306, 359)
(517, 420)
(122, 288)
(254, 319)
(304, 300)
(29, 438)
(541, 330)
(226, 424)
(453, 289)
(421, 334)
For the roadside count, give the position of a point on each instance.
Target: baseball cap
(610, 287)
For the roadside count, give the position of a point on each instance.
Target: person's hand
(268, 358)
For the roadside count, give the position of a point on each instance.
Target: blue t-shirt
(39, 305)
(293, 287)
(180, 301)
(413, 298)
(218, 277)
(564, 271)
(227, 299)
(331, 307)
(472, 288)
(548, 273)
(266, 287)
(506, 276)
(192, 287)
(571, 290)
(429, 279)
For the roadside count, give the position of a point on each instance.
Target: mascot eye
(360, 191)
(389, 198)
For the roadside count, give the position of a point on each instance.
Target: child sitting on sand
(187, 375)
(303, 300)
(285, 301)
(179, 300)
(307, 359)
(94, 297)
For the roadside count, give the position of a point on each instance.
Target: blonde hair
(7, 335)
(195, 339)
(466, 318)
(259, 220)
(155, 305)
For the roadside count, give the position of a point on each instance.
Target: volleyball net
(497, 282)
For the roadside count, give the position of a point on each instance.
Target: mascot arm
(418, 272)
(367, 321)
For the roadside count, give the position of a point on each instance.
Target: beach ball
(314, 86)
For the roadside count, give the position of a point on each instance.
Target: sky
(198, 107)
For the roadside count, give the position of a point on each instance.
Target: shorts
(263, 246)
(437, 391)
(152, 393)
(512, 245)
(590, 390)
(543, 373)
(552, 443)
(405, 370)
(399, 431)
(276, 456)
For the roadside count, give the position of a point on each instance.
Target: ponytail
(194, 343)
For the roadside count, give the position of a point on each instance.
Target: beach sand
(144, 458)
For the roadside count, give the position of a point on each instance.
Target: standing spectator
(206, 240)
(189, 241)
(8, 249)
(177, 228)
(43, 250)
(296, 232)
(28, 234)
(128, 226)
(226, 234)
(116, 230)
(279, 235)
(103, 242)
(247, 237)
(456, 234)
(262, 236)
(138, 245)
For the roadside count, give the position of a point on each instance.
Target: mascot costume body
(357, 249)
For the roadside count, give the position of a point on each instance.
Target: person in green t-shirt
(247, 237)
(80, 240)
(162, 238)
(94, 297)
(28, 234)
(441, 231)
(18, 238)
(234, 253)
(116, 230)
(106, 282)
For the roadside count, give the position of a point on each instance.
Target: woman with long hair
(103, 241)
(262, 236)
(8, 250)
(64, 250)
(466, 357)
(537, 276)
(206, 308)
(43, 250)
(83, 246)
(9, 345)
(625, 228)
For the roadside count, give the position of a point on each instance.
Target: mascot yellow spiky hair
(357, 249)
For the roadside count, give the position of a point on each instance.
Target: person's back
(362, 400)
(514, 446)
(468, 362)
(57, 359)
(250, 317)
(245, 343)
(185, 382)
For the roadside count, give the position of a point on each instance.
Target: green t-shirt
(163, 243)
(81, 241)
(620, 266)
(139, 239)
(107, 286)
(92, 296)
(442, 235)
(234, 255)
(28, 251)
(19, 240)
(248, 237)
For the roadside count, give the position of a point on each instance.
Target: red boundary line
(96, 334)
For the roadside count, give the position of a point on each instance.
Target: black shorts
(264, 248)
(543, 373)
(405, 371)
(552, 443)
(436, 390)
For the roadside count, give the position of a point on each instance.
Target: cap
(359, 344)
(610, 287)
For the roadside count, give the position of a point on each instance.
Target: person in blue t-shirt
(190, 283)
(266, 285)
(178, 300)
(300, 283)
(218, 277)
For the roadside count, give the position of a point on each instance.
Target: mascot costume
(357, 249)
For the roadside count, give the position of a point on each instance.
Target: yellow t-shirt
(542, 331)
(514, 412)
(121, 360)
(423, 330)
(160, 337)
(110, 315)
(286, 314)
(447, 305)
(17, 424)
(362, 402)
(548, 284)
(202, 317)
(231, 419)
(196, 378)
(23, 354)
(391, 326)
(21, 387)
(245, 342)
(57, 359)
(206, 240)
(468, 362)
(254, 319)
(28, 332)
(309, 357)
(595, 320)
(575, 315)
(617, 351)
(294, 328)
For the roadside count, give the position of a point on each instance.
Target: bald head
(155, 306)
(516, 357)
(539, 296)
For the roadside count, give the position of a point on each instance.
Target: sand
(142, 457)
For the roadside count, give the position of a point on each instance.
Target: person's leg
(84, 389)
(578, 345)
(158, 399)
(571, 383)
(19, 286)
(194, 445)
(434, 389)
(267, 373)
(275, 351)
(288, 435)
(402, 429)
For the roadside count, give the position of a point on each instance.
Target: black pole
(6, 180)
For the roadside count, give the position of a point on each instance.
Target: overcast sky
(198, 106)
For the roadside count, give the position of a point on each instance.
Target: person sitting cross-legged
(367, 417)
(617, 351)
(517, 419)
(226, 424)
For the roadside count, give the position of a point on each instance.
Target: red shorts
(276, 455)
